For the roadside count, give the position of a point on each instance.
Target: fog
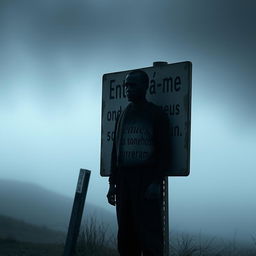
(52, 57)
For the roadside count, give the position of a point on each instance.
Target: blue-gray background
(52, 58)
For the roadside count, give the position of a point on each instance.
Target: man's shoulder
(122, 113)
(149, 107)
(158, 114)
(155, 108)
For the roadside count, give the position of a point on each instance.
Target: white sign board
(170, 88)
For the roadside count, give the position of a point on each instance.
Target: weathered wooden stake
(77, 212)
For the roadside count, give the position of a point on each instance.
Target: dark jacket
(161, 140)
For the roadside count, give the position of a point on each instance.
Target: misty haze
(53, 56)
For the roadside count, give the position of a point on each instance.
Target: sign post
(166, 216)
(170, 88)
(77, 212)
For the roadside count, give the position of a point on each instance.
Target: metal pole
(77, 212)
(165, 209)
(166, 216)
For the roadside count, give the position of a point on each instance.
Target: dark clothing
(139, 219)
(158, 122)
(139, 159)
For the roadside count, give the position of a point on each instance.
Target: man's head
(136, 84)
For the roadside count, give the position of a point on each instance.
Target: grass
(11, 247)
(22, 231)
(188, 245)
(94, 240)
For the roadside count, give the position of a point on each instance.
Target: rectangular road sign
(170, 88)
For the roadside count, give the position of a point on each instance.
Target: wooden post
(166, 216)
(77, 212)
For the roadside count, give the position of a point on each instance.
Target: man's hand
(153, 191)
(112, 195)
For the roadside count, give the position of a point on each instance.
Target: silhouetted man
(139, 160)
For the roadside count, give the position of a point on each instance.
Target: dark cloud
(219, 37)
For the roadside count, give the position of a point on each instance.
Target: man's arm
(162, 150)
(111, 195)
(113, 164)
(162, 144)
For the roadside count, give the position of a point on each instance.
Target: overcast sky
(52, 57)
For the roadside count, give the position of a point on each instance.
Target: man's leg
(128, 244)
(152, 240)
(151, 224)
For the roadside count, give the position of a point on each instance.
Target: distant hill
(19, 230)
(38, 206)
(34, 215)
